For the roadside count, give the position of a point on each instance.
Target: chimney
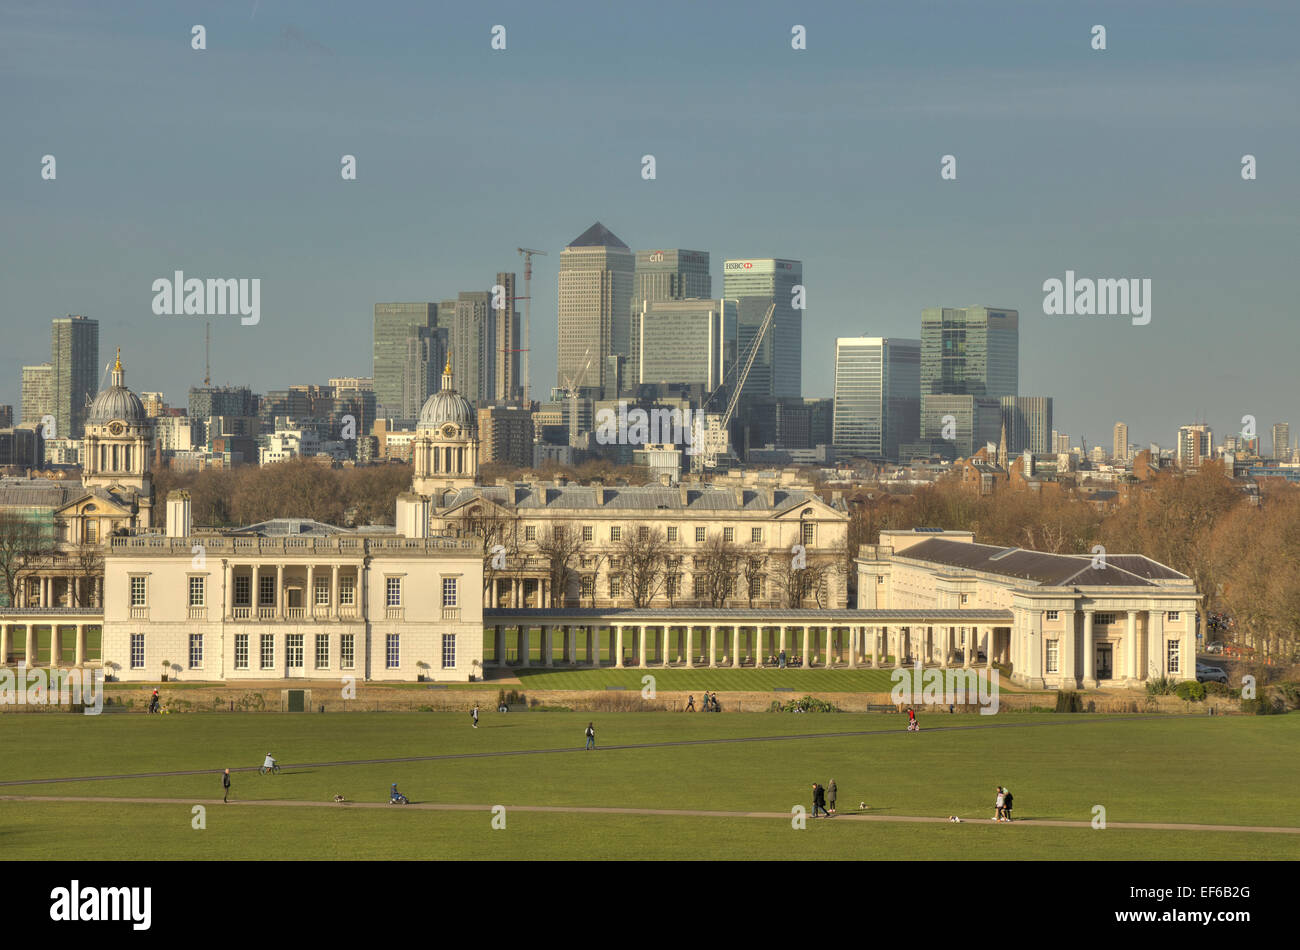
(178, 514)
(412, 515)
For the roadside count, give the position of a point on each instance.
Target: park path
(654, 812)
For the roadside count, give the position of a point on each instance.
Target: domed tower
(116, 445)
(445, 450)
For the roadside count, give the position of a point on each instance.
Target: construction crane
(715, 438)
(207, 353)
(571, 386)
(528, 253)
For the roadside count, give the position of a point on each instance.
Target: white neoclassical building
(1076, 620)
(291, 599)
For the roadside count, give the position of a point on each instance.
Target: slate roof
(288, 527)
(597, 236)
(634, 497)
(1053, 570)
(742, 615)
(38, 492)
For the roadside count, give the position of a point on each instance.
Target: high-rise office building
(1119, 443)
(757, 283)
(392, 321)
(877, 395)
(965, 424)
(474, 347)
(74, 371)
(427, 351)
(508, 385)
(38, 394)
(686, 342)
(1194, 445)
(6, 416)
(1282, 441)
(668, 274)
(1028, 423)
(970, 351)
(595, 316)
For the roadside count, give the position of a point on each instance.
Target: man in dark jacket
(819, 801)
(830, 795)
(225, 783)
(591, 736)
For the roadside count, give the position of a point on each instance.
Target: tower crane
(715, 439)
(571, 386)
(528, 253)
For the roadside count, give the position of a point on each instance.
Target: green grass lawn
(1223, 770)
(725, 680)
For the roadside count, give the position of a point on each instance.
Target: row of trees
(648, 565)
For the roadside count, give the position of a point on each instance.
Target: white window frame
(196, 650)
(1052, 658)
(137, 651)
(202, 581)
(392, 590)
(267, 639)
(701, 535)
(322, 651)
(392, 651)
(139, 590)
(450, 591)
(449, 651)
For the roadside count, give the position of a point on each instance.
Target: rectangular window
(241, 651)
(196, 651)
(322, 651)
(616, 533)
(756, 535)
(347, 654)
(808, 533)
(448, 651)
(728, 534)
(1173, 616)
(92, 530)
(243, 588)
(1051, 656)
(880, 578)
(1174, 656)
(588, 533)
(268, 651)
(673, 586)
(137, 591)
(1104, 620)
(137, 651)
(1053, 615)
(700, 535)
(293, 650)
(642, 533)
(530, 532)
(672, 534)
(393, 591)
(615, 586)
(393, 651)
(697, 585)
(322, 592)
(965, 598)
(588, 586)
(449, 592)
(347, 591)
(265, 591)
(196, 591)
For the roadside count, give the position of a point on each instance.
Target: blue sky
(225, 163)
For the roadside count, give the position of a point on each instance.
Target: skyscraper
(427, 350)
(508, 385)
(392, 321)
(1282, 441)
(669, 274)
(74, 371)
(1194, 445)
(686, 342)
(970, 351)
(1119, 443)
(595, 317)
(474, 347)
(1028, 423)
(877, 395)
(756, 283)
(38, 396)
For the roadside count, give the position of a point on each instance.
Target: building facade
(74, 371)
(595, 315)
(684, 342)
(392, 323)
(756, 284)
(877, 395)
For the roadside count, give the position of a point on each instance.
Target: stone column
(81, 645)
(735, 645)
(988, 650)
(713, 645)
(525, 644)
(4, 643)
(641, 644)
(1089, 652)
(1130, 646)
(618, 646)
(548, 646)
(898, 645)
(1068, 649)
(875, 648)
(309, 596)
(854, 639)
(783, 638)
(499, 644)
(807, 657)
(689, 636)
(334, 593)
(279, 591)
(31, 645)
(593, 645)
(255, 599)
(228, 595)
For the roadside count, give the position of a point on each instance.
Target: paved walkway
(657, 812)
(893, 730)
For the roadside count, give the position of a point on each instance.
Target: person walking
(998, 803)
(591, 736)
(225, 784)
(830, 796)
(819, 800)
(474, 715)
(1006, 804)
(690, 703)
(781, 659)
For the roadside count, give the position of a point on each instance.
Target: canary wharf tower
(596, 272)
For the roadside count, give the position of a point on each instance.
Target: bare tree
(560, 550)
(717, 562)
(500, 536)
(801, 577)
(26, 544)
(88, 563)
(643, 555)
(754, 568)
(593, 562)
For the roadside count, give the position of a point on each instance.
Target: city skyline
(1034, 141)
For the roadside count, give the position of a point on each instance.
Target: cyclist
(269, 764)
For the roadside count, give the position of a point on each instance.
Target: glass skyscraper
(877, 395)
(669, 274)
(595, 307)
(392, 325)
(74, 372)
(686, 341)
(755, 283)
(970, 351)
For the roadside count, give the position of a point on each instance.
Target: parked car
(1215, 647)
(1211, 674)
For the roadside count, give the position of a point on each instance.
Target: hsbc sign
(738, 265)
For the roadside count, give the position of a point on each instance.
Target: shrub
(1069, 702)
(1289, 693)
(1220, 689)
(1161, 686)
(1261, 705)
(1191, 691)
(808, 704)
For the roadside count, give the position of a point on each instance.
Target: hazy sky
(226, 163)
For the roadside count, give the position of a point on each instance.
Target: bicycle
(275, 769)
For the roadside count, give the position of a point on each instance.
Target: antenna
(207, 353)
(528, 253)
